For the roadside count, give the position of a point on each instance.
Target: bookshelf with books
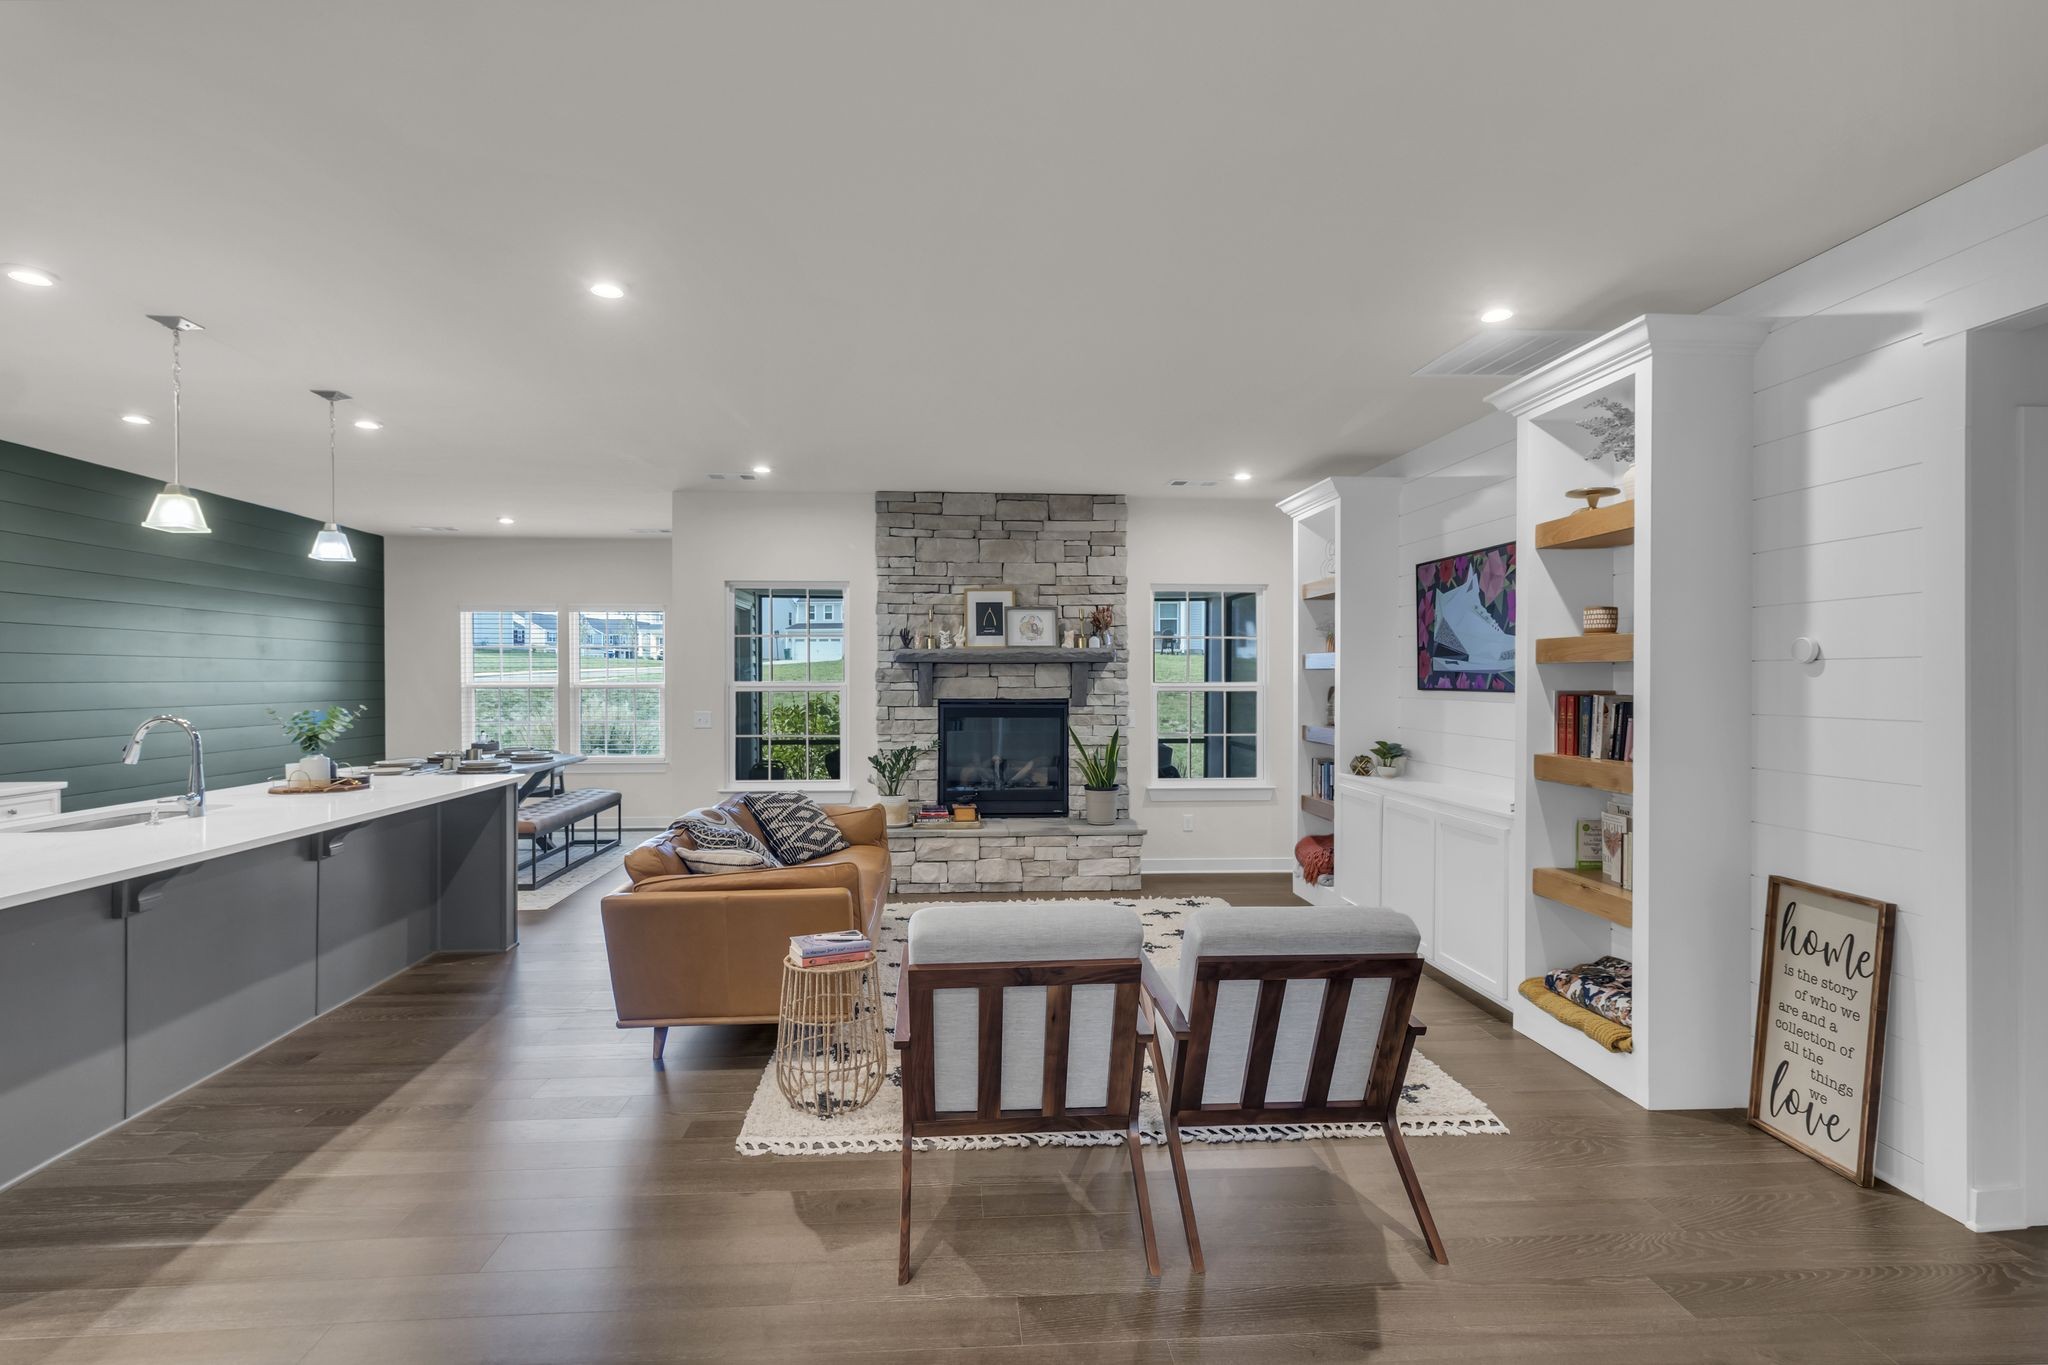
(1638, 739)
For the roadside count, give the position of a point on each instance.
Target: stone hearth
(1059, 551)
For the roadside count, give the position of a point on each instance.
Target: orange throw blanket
(1317, 855)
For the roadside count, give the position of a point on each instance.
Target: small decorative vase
(1628, 484)
(895, 810)
(1361, 765)
(1100, 805)
(316, 770)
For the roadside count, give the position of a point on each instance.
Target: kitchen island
(138, 959)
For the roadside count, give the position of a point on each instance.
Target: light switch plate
(703, 720)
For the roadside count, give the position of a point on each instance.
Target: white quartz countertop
(35, 865)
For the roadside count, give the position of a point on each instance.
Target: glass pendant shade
(178, 512)
(332, 545)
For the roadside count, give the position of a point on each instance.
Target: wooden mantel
(1081, 664)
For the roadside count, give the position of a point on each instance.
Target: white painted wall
(1185, 542)
(430, 580)
(1457, 494)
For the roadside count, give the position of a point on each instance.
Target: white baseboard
(1997, 1208)
(1165, 866)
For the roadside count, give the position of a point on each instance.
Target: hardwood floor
(472, 1165)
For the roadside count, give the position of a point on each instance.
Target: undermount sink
(79, 824)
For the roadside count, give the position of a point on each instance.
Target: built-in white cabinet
(1440, 856)
(25, 800)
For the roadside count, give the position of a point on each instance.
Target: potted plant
(1388, 758)
(313, 732)
(1098, 775)
(891, 767)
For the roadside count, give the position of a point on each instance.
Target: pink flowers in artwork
(1488, 573)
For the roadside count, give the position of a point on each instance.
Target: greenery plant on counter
(313, 731)
(1386, 750)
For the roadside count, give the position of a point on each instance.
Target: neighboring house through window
(788, 684)
(511, 676)
(1207, 692)
(605, 699)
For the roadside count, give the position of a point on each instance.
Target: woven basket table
(831, 1051)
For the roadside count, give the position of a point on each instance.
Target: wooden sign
(1820, 1023)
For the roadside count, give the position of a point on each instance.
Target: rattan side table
(831, 1051)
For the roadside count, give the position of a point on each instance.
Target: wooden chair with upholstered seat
(1024, 1019)
(1295, 1015)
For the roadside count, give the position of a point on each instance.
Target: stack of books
(1596, 725)
(823, 950)
(934, 815)
(1322, 779)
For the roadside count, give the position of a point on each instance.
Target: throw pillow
(714, 832)
(724, 860)
(797, 827)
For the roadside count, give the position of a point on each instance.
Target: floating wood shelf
(1320, 734)
(1584, 891)
(1319, 590)
(1598, 529)
(1318, 663)
(1601, 774)
(1081, 664)
(1315, 805)
(1610, 648)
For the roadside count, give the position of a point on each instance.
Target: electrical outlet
(703, 720)
(1187, 824)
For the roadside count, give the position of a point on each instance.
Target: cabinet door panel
(219, 964)
(1408, 868)
(1472, 903)
(62, 976)
(377, 897)
(1358, 845)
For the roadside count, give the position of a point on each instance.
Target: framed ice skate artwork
(1465, 622)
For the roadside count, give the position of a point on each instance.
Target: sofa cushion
(717, 830)
(797, 828)
(660, 856)
(714, 860)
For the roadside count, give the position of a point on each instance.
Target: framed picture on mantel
(984, 612)
(1820, 1008)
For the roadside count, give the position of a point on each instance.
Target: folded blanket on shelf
(1317, 854)
(1610, 1035)
(1606, 987)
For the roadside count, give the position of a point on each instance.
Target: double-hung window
(511, 676)
(587, 681)
(1207, 693)
(788, 688)
(616, 683)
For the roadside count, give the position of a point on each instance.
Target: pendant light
(175, 510)
(331, 545)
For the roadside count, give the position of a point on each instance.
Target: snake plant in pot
(1098, 775)
(891, 767)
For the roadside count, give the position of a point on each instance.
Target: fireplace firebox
(1007, 757)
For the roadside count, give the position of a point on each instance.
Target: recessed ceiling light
(365, 424)
(135, 419)
(762, 469)
(1243, 476)
(605, 289)
(1496, 315)
(29, 275)
(504, 521)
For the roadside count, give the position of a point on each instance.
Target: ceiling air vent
(1191, 483)
(1502, 353)
(743, 478)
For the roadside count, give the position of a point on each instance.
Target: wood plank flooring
(472, 1165)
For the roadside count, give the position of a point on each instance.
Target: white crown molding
(1309, 500)
(1627, 345)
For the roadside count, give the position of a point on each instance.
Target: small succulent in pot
(1388, 758)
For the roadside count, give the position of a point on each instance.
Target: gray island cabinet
(117, 995)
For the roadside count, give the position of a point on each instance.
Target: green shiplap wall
(103, 624)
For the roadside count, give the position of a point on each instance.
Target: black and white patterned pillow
(717, 831)
(797, 827)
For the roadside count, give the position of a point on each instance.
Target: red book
(862, 956)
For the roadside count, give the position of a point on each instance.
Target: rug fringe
(1306, 1132)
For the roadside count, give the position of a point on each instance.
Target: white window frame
(844, 786)
(568, 683)
(1256, 787)
(569, 725)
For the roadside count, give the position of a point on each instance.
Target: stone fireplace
(1063, 552)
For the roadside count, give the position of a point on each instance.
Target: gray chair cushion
(1331, 931)
(1022, 931)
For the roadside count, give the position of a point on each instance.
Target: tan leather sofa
(707, 948)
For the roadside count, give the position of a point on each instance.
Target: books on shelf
(1596, 725)
(1322, 779)
(1617, 845)
(1588, 856)
(822, 950)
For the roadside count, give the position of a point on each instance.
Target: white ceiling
(1030, 245)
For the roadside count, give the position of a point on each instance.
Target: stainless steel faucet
(194, 799)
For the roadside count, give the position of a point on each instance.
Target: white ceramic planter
(1100, 806)
(1389, 767)
(896, 810)
(317, 769)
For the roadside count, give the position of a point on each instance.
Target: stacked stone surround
(1060, 551)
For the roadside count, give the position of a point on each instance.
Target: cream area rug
(604, 865)
(1432, 1104)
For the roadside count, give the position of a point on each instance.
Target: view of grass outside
(789, 675)
(1205, 674)
(514, 668)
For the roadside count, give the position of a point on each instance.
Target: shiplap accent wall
(1457, 494)
(103, 623)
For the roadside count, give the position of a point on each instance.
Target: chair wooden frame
(1185, 1105)
(1130, 1030)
